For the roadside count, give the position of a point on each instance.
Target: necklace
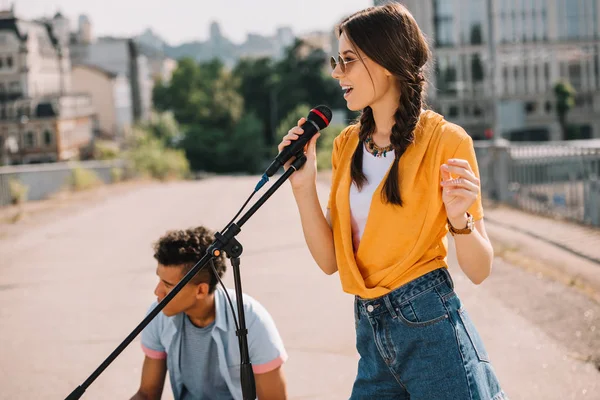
(376, 150)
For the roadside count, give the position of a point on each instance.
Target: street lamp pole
(492, 70)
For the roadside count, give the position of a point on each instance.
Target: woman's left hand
(460, 193)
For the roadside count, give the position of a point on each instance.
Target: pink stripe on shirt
(270, 366)
(157, 355)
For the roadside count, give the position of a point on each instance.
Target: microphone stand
(223, 242)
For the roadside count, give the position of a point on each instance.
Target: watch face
(471, 224)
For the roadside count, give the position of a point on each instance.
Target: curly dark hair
(184, 248)
(390, 36)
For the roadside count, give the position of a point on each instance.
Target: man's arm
(271, 385)
(153, 379)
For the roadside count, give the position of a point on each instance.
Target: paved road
(72, 289)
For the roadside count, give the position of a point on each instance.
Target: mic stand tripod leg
(246, 373)
(233, 250)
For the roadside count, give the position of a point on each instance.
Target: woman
(402, 177)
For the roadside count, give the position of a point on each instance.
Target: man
(194, 337)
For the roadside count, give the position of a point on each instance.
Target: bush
(151, 158)
(83, 179)
(18, 191)
(116, 174)
(105, 150)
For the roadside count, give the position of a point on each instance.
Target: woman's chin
(352, 106)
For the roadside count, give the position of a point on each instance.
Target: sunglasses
(341, 62)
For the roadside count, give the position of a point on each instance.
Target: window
(443, 22)
(453, 111)
(530, 107)
(9, 62)
(29, 139)
(47, 137)
(477, 70)
(1, 62)
(445, 70)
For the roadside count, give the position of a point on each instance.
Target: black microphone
(318, 118)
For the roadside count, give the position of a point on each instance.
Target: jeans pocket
(425, 309)
(473, 335)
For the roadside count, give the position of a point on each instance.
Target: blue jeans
(418, 343)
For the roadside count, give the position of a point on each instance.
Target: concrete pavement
(73, 288)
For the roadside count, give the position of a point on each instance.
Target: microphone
(318, 118)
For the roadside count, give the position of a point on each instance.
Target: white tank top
(375, 169)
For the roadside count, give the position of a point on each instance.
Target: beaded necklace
(376, 150)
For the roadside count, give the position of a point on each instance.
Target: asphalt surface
(74, 286)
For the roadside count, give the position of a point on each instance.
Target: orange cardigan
(399, 244)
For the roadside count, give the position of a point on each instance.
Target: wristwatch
(463, 231)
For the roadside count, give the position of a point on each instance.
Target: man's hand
(271, 385)
(153, 379)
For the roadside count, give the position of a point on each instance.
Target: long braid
(403, 133)
(367, 127)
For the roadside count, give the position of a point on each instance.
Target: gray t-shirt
(199, 364)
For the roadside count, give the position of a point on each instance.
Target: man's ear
(202, 290)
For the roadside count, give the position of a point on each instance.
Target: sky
(178, 21)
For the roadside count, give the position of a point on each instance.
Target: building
(120, 56)
(111, 98)
(41, 119)
(537, 43)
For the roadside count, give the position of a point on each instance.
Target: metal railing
(44, 180)
(557, 179)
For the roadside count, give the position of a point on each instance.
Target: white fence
(558, 179)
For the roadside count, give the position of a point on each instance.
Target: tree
(201, 94)
(216, 150)
(303, 79)
(257, 87)
(565, 101)
(163, 127)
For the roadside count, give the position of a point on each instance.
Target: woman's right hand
(306, 175)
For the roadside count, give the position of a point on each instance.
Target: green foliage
(18, 191)
(201, 94)
(105, 150)
(151, 158)
(291, 120)
(258, 82)
(303, 78)
(565, 101)
(325, 146)
(163, 127)
(217, 151)
(228, 118)
(83, 179)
